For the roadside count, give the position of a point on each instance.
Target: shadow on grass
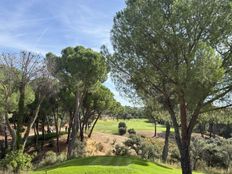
(98, 161)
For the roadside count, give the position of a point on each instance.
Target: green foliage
(78, 66)
(143, 147)
(121, 124)
(120, 150)
(175, 155)
(51, 158)
(131, 131)
(79, 149)
(122, 128)
(16, 161)
(215, 152)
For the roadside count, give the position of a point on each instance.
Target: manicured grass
(111, 126)
(108, 165)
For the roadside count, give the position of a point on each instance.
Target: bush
(79, 149)
(16, 161)
(122, 124)
(120, 150)
(175, 155)
(143, 147)
(121, 128)
(131, 131)
(99, 147)
(62, 157)
(51, 157)
(122, 131)
(215, 152)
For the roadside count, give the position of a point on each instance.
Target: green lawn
(108, 165)
(111, 126)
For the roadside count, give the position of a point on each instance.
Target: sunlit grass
(111, 126)
(108, 165)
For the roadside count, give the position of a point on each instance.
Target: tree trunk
(185, 139)
(30, 124)
(155, 124)
(75, 126)
(6, 137)
(20, 116)
(11, 130)
(91, 130)
(210, 129)
(185, 160)
(69, 125)
(82, 132)
(36, 134)
(166, 143)
(43, 134)
(57, 131)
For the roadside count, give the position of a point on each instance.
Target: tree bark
(20, 116)
(43, 134)
(6, 137)
(11, 130)
(185, 139)
(69, 126)
(95, 122)
(185, 159)
(75, 126)
(57, 131)
(30, 124)
(166, 143)
(155, 124)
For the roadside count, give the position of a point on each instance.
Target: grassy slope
(108, 165)
(111, 126)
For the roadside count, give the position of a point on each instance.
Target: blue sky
(51, 25)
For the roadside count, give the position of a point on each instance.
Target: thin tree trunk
(11, 130)
(69, 126)
(6, 137)
(43, 134)
(166, 143)
(57, 131)
(36, 136)
(155, 126)
(20, 115)
(27, 133)
(91, 130)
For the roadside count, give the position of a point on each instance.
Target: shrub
(51, 157)
(121, 124)
(120, 150)
(122, 131)
(175, 155)
(121, 128)
(215, 152)
(16, 161)
(99, 147)
(143, 147)
(79, 149)
(131, 131)
(62, 157)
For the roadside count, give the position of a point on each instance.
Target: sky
(50, 25)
